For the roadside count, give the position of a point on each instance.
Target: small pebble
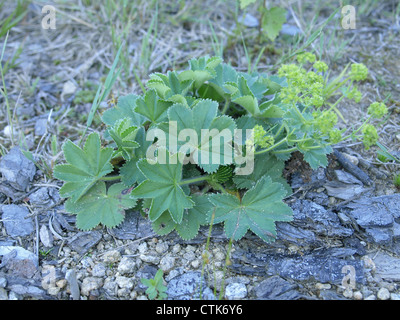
(322, 286)
(348, 293)
(383, 294)
(395, 296)
(357, 295)
(111, 256)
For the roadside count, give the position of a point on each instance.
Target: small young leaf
(130, 174)
(152, 107)
(272, 21)
(169, 84)
(103, 206)
(124, 135)
(245, 3)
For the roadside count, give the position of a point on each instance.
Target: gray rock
(248, 20)
(3, 294)
(19, 261)
(70, 276)
(44, 197)
(290, 30)
(235, 290)
(16, 221)
(378, 216)
(18, 253)
(3, 282)
(17, 169)
(383, 294)
(387, 267)
(323, 265)
(89, 284)
(147, 272)
(316, 218)
(379, 235)
(167, 263)
(20, 286)
(276, 288)
(41, 127)
(133, 227)
(127, 265)
(376, 211)
(46, 237)
(310, 222)
(344, 191)
(83, 241)
(124, 282)
(99, 270)
(187, 287)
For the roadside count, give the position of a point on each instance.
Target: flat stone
(46, 237)
(17, 169)
(16, 221)
(18, 253)
(387, 267)
(376, 211)
(187, 287)
(312, 216)
(235, 290)
(323, 265)
(133, 227)
(83, 241)
(276, 288)
(343, 191)
(44, 197)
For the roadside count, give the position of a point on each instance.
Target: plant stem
(272, 147)
(285, 150)
(227, 262)
(226, 106)
(194, 180)
(205, 259)
(111, 178)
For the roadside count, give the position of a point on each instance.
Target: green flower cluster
(358, 72)
(261, 138)
(303, 87)
(354, 94)
(377, 110)
(325, 120)
(335, 136)
(305, 57)
(370, 136)
(320, 66)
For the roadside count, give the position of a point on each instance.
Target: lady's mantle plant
(208, 145)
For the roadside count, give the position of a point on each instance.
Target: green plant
(272, 19)
(14, 18)
(155, 287)
(396, 180)
(173, 165)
